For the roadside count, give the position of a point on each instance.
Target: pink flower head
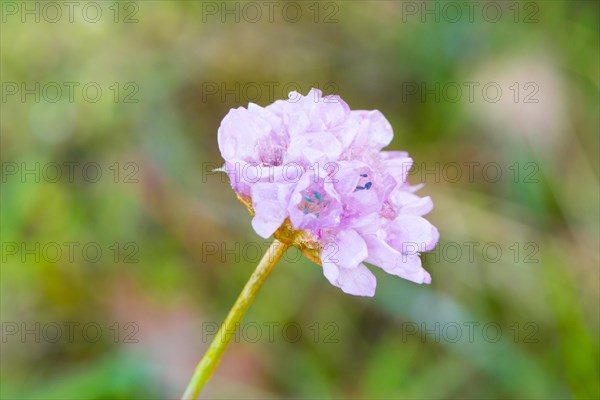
(315, 165)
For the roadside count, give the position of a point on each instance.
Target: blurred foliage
(172, 206)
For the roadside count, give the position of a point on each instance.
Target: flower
(313, 173)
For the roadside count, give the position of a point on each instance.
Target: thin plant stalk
(213, 355)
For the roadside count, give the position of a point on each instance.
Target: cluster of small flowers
(360, 210)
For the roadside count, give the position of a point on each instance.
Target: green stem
(213, 355)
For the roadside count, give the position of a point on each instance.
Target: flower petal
(270, 204)
(412, 231)
(239, 134)
(375, 132)
(357, 281)
(313, 147)
(347, 250)
(407, 266)
(411, 204)
(342, 264)
(397, 164)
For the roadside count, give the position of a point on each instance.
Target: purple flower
(310, 167)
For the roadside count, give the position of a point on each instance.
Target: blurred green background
(515, 317)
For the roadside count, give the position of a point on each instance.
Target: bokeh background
(515, 317)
